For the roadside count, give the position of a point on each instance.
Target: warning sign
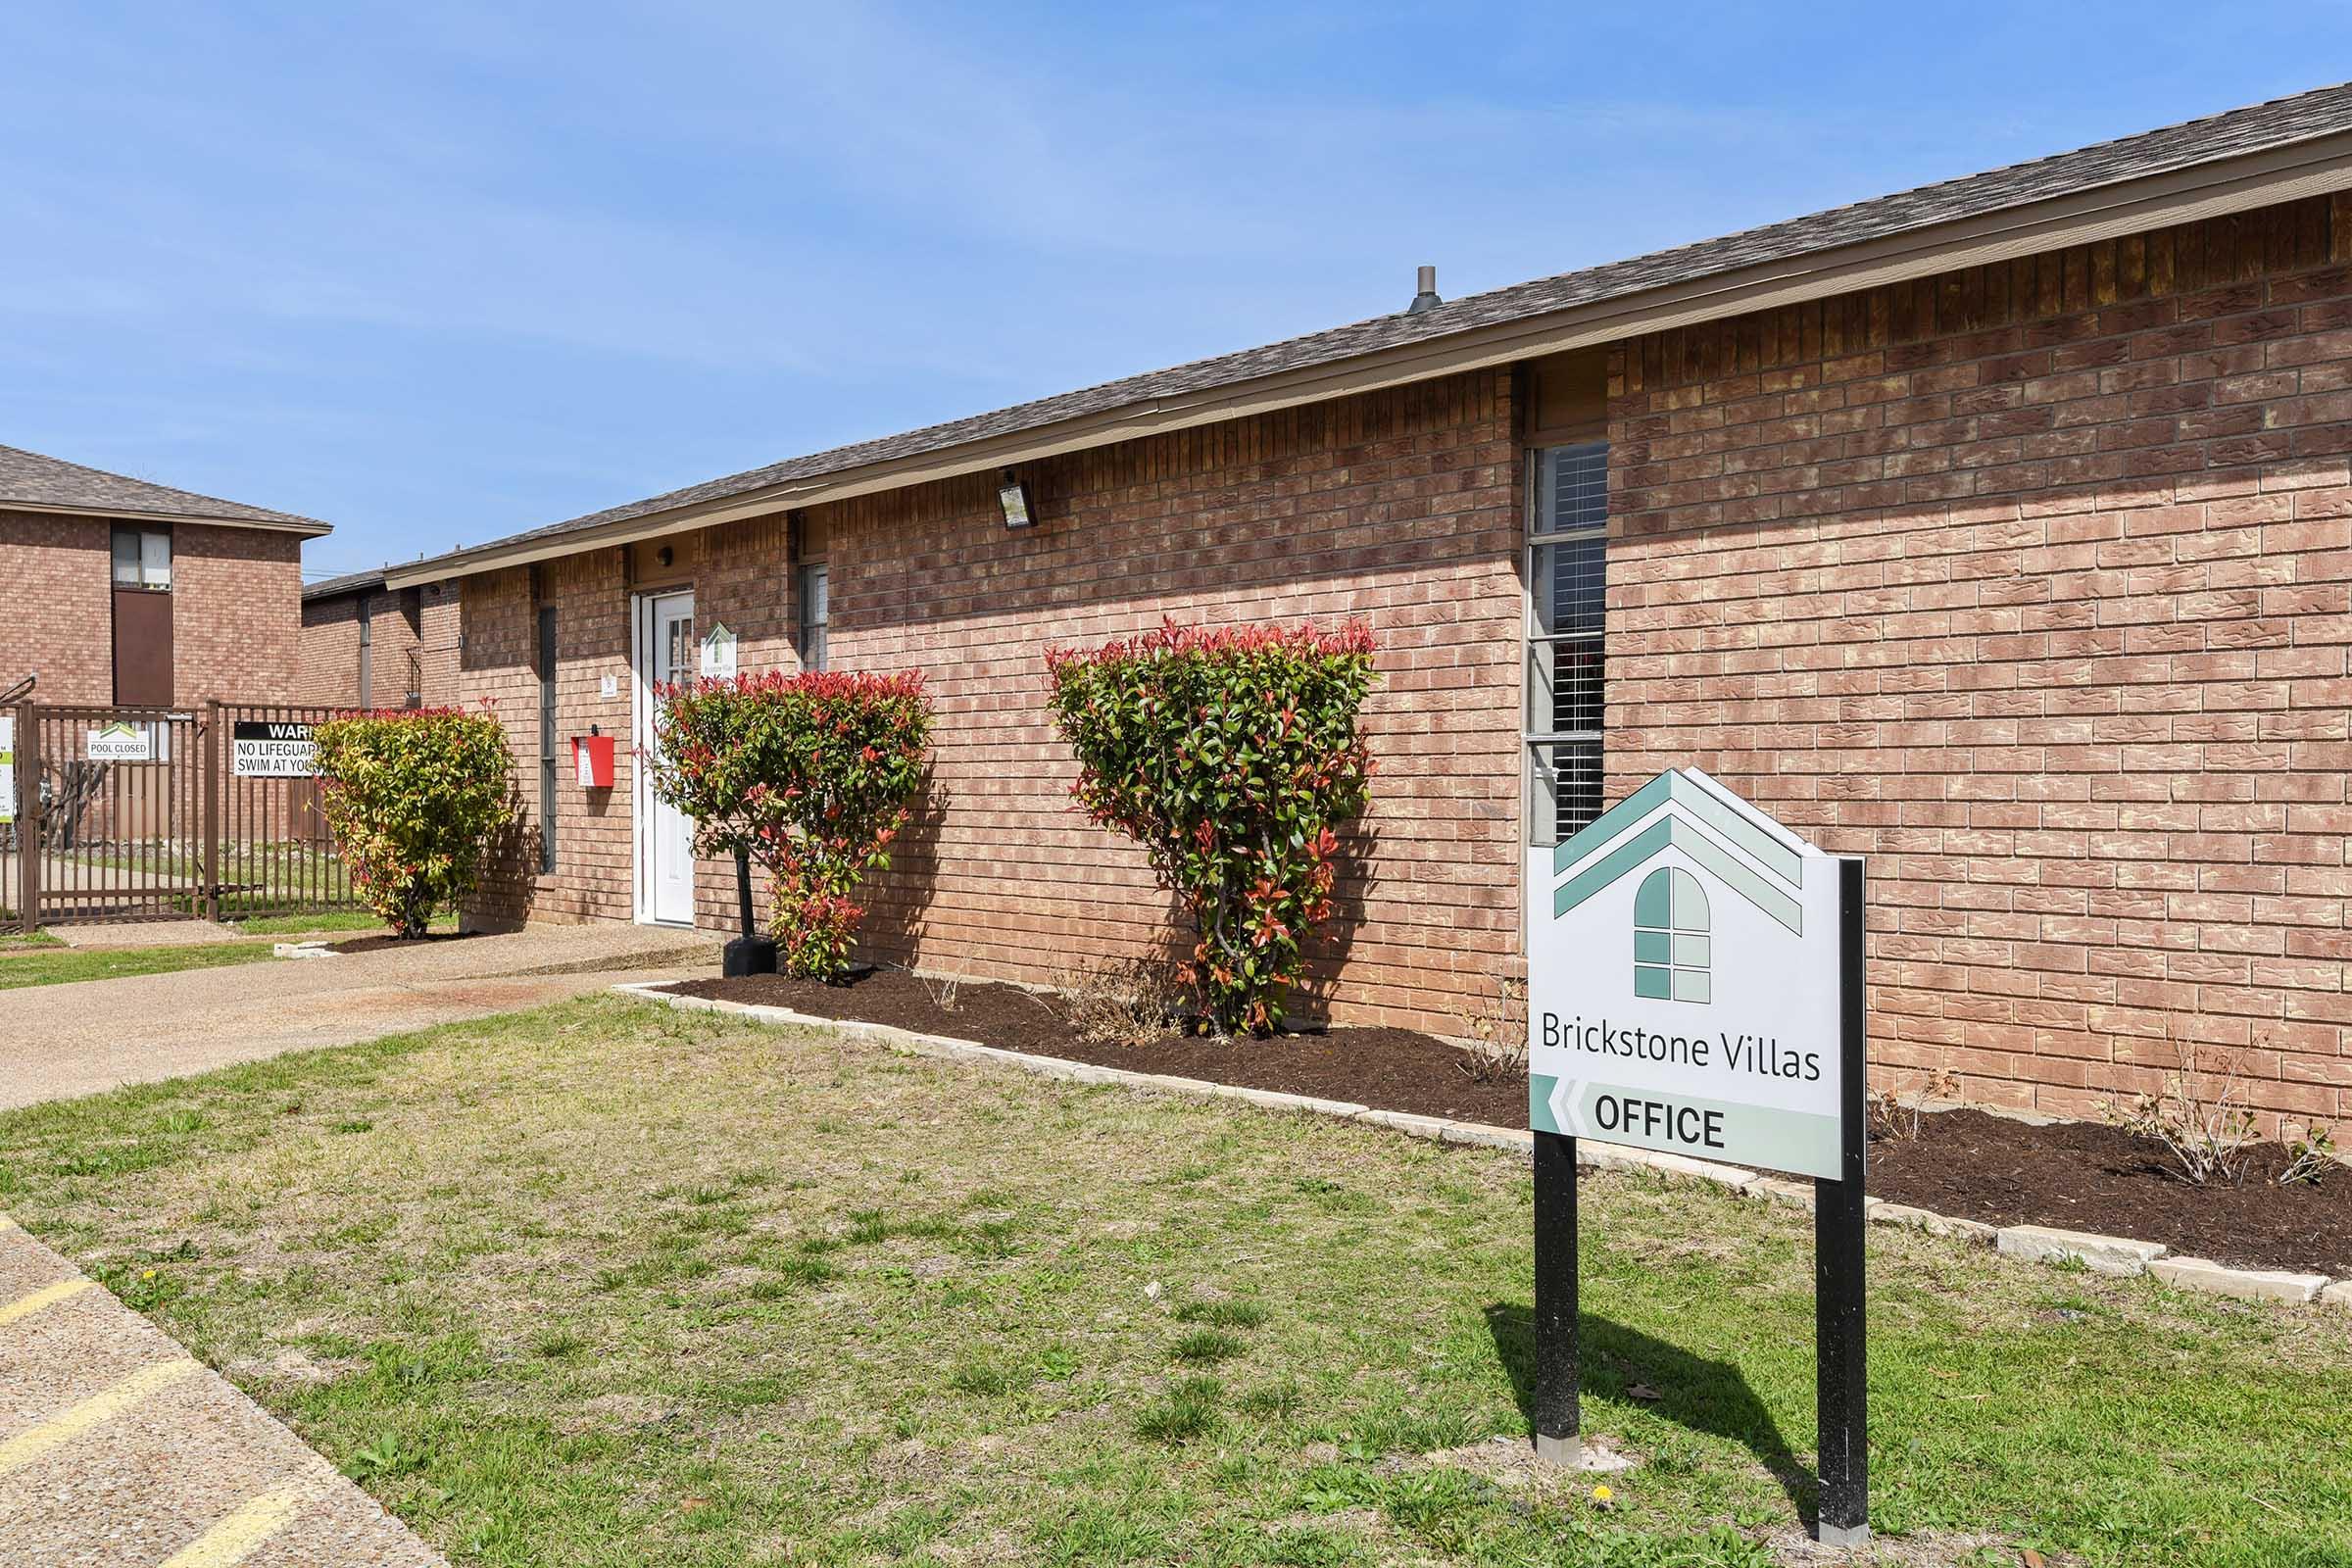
(264, 749)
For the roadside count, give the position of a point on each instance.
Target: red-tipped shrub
(812, 775)
(1232, 757)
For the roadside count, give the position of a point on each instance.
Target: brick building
(2000, 531)
(119, 591)
(367, 646)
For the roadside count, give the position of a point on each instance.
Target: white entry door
(665, 652)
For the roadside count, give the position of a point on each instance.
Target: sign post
(1695, 987)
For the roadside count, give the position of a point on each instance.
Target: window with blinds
(1567, 559)
(816, 617)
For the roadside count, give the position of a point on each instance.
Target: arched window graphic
(1670, 938)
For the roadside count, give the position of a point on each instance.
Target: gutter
(2316, 167)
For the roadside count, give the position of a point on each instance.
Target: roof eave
(2313, 167)
(335, 588)
(307, 528)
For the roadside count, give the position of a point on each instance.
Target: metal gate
(152, 813)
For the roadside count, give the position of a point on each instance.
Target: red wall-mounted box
(591, 761)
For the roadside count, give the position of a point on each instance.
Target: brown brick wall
(2029, 582)
(235, 609)
(330, 647)
(438, 630)
(1401, 507)
(55, 578)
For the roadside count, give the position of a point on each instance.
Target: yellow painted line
(26, 1306)
(233, 1539)
(104, 1406)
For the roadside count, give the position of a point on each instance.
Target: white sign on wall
(1686, 982)
(718, 652)
(8, 767)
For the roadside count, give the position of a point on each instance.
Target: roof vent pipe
(1426, 299)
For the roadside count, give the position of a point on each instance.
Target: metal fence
(150, 813)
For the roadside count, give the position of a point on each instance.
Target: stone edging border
(2101, 1255)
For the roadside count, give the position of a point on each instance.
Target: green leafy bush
(813, 774)
(413, 797)
(1232, 757)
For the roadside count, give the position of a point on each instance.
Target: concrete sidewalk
(117, 1448)
(68, 1040)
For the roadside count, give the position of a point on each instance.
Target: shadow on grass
(1694, 1391)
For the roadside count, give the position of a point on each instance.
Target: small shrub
(1890, 1117)
(2198, 1117)
(2309, 1156)
(812, 775)
(1121, 1003)
(1232, 757)
(1495, 1037)
(413, 797)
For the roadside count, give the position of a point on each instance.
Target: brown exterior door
(142, 648)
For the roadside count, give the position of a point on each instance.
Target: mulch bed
(1965, 1164)
(1390, 1069)
(384, 940)
(2083, 1176)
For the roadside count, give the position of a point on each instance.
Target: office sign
(271, 749)
(1684, 982)
(1694, 985)
(121, 742)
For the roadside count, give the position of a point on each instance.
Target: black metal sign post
(1557, 1415)
(1840, 1364)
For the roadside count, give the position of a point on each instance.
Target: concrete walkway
(68, 1040)
(117, 1448)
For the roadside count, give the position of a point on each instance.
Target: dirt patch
(382, 939)
(1390, 1069)
(2088, 1177)
(1965, 1163)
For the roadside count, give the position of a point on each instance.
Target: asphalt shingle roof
(2263, 127)
(29, 479)
(346, 583)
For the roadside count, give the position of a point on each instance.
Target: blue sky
(436, 273)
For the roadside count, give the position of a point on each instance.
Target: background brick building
(122, 591)
(367, 646)
(2001, 532)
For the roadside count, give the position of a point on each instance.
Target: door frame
(641, 736)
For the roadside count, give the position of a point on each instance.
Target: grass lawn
(606, 1284)
(24, 941)
(58, 965)
(279, 925)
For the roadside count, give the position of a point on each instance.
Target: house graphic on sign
(1672, 939)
